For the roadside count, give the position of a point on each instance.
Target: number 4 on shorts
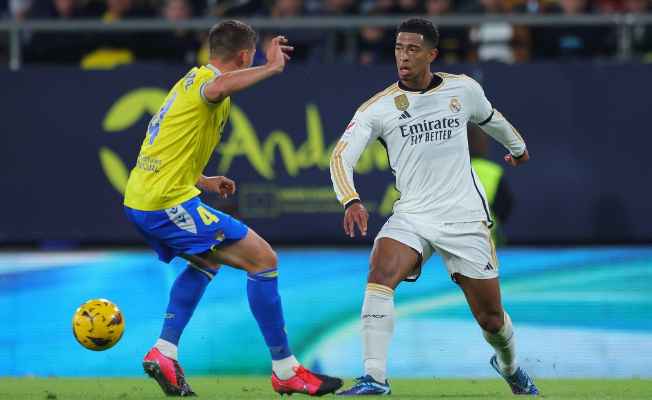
(207, 216)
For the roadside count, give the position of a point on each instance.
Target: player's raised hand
(221, 185)
(278, 53)
(515, 162)
(355, 215)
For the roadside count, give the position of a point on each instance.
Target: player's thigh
(251, 253)
(399, 252)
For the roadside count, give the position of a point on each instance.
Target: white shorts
(466, 247)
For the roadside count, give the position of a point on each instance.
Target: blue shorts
(189, 228)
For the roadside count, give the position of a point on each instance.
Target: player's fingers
(510, 160)
(345, 225)
(232, 187)
(350, 226)
(363, 223)
(286, 57)
(359, 221)
(282, 39)
(287, 48)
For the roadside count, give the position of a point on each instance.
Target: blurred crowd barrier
(101, 35)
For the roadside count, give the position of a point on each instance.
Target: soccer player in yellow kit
(161, 200)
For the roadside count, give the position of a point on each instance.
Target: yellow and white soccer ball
(98, 324)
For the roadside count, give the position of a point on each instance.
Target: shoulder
(461, 82)
(457, 79)
(373, 103)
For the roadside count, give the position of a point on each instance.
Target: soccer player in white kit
(421, 120)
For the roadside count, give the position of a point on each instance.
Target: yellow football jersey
(180, 139)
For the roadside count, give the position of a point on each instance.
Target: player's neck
(419, 83)
(422, 84)
(222, 66)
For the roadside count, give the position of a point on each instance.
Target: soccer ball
(98, 324)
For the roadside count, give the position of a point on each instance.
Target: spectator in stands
(376, 44)
(237, 8)
(59, 9)
(340, 7)
(20, 9)
(112, 49)
(641, 34)
(572, 42)
(57, 47)
(608, 6)
(497, 41)
(305, 41)
(381, 7)
(410, 7)
(453, 41)
(121, 9)
(179, 46)
(337, 42)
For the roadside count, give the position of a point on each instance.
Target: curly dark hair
(423, 27)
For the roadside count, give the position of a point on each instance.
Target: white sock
(504, 343)
(166, 348)
(284, 368)
(377, 329)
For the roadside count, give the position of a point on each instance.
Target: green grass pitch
(245, 388)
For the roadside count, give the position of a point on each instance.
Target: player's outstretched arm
(503, 132)
(231, 82)
(493, 123)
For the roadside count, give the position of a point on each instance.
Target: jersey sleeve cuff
(203, 96)
(486, 121)
(520, 155)
(348, 202)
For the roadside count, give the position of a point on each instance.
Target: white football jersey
(425, 133)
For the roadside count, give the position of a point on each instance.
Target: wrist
(519, 156)
(200, 182)
(272, 69)
(352, 202)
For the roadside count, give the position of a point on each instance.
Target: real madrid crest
(455, 105)
(401, 102)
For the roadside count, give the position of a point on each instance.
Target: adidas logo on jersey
(404, 115)
(489, 267)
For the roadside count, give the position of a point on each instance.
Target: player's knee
(491, 321)
(270, 259)
(382, 275)
(263, 261)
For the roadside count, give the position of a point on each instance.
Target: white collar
(214, 69)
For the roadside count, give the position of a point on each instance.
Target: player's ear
(242, 58)
(433, 54)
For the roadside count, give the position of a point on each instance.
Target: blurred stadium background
(80, 80)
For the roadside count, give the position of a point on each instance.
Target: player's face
(413, 55)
